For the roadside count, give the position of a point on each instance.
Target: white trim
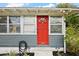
(21, 27)
(27, 34)
(64, 29)
(62, 25)
(17, 34)
(64, 32)
(21, 24)
(56, 24)
(7, 24)
(56, 34)
(34, 25)
(64, 46)
(49, 26)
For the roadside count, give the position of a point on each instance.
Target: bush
(12, 53)
(72, 40)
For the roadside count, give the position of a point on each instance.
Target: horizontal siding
(13, 40)
(56, 41)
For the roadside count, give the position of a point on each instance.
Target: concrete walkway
(42, 51)
(39, 51)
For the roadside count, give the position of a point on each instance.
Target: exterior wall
(13, 40)
(56, 41)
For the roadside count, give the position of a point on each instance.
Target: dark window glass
(3, 24)
(3, 19)
(56, 29)
(14, 28)
(3, 28)
(14, 24)
(14, 19)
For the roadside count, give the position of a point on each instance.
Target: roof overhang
(20, 11)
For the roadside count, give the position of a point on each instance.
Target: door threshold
(43, 45)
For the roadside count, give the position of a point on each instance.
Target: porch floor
(38, 51)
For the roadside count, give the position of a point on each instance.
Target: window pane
(29, 28)
(56, 20)
(14, 28)
(56, 28)
(3, 19)
(29, 20)
(3, 28)
(14, 19)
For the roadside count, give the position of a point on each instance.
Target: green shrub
(12, 53)
(72, 40)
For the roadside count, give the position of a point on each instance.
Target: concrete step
(42, 51)
(41, 48)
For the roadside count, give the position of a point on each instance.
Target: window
(3, 24)
(56, 28)
(29, 28)
(56, 24)
(14, 24)
(29, 24)
(56, 20)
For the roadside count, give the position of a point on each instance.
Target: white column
(49, 25)
(7, 24)
(21, 24)
(64, 27)
(64, 46)
(64, 32)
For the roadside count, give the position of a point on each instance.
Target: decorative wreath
(42, 20)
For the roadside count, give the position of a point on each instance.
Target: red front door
(42, 30)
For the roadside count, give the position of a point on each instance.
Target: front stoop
(41, 51)
(38, 51)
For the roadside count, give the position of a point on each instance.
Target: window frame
(8, 25)
(21, 27)
(35, 24)
(15, 24)
(4, 24)
(56, 24)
